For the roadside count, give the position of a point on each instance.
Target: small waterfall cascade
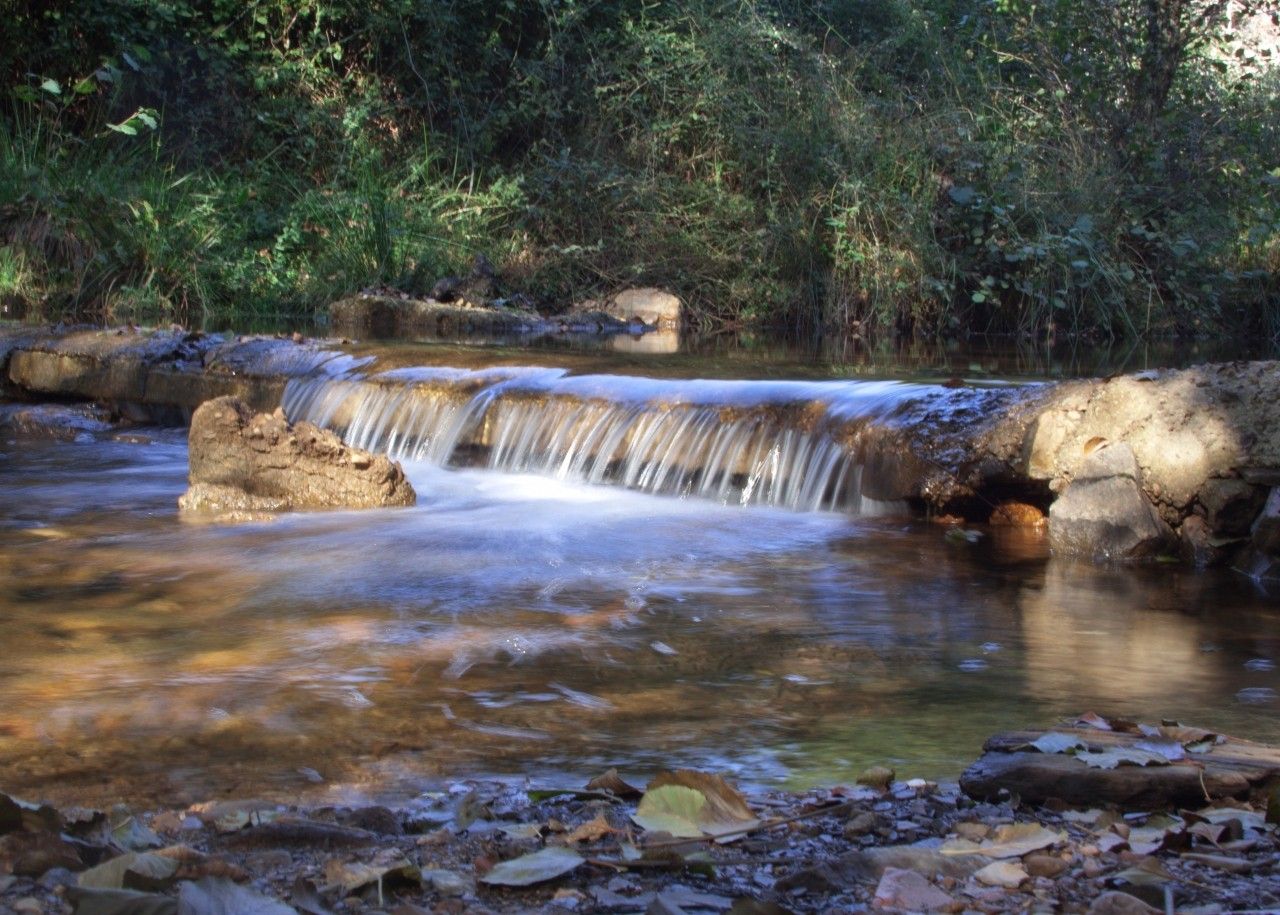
(779, 443)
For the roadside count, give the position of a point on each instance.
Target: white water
(777, 443)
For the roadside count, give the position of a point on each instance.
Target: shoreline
(901, 845)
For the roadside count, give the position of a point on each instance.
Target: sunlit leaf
(1012, 840)
(51, 86)
(673, 809)
(537, 867)
(726, 809)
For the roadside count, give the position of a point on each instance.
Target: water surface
(515, 624)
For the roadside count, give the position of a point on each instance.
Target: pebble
(861, 824)
(1044, 865)
(974, 832)
(904, 889)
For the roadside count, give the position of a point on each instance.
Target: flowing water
(601, 571)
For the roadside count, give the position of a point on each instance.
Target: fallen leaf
(1147, 872)
(590, 831)
(1057, 742)
(538, 867)
(1093, 720)
(612, 782)
(724, 809)
(1169, 749)
(672, 809)
(1121, 756)
(352, 876)
(1011, 840)
(1248, 819)
(131, 871)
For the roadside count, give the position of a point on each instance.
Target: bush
(844, 165)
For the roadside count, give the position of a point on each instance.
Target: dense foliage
(948, 165)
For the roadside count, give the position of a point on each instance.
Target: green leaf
(51, 86)
(126, 128)
(673, 809)
(537, 867)
(85, 86)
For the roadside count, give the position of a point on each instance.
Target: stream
(530, 623)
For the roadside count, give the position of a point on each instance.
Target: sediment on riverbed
(1155, 464)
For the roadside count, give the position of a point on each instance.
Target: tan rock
(1044, 865)
(242, 462)
(650, 305)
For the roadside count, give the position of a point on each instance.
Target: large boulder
(652, 306)
(1103, 513)
(247, 462)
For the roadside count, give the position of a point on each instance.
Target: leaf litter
(505, 849)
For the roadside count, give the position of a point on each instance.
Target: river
(542, 625)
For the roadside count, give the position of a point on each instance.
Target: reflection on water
(514, 624)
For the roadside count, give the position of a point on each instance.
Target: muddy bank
(1155, 464)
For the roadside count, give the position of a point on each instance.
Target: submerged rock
(245, 462)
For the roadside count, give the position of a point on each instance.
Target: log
(1232, 768)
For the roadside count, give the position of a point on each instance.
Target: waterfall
(777, 443)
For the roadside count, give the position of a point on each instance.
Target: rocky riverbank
(689, 843)
(1158, 464)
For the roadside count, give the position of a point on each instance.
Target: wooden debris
(1229, 768)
